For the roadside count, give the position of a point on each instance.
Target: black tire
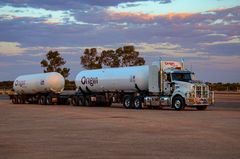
(137, 102)
(32, 100)
(150, 107)
(23, 100)
(81, 101)
(87, 101)
(20, 100)
(42, 100)
(39, 100)
(74, 101)
(109, 103)
(127, 102)
(14, 99)
(49, 100)
(201, 107)
(178, 103)
(29, 101)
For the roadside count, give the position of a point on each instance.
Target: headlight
(177, 86)
(190, 94)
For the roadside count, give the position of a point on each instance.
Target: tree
(130, 57)
(54, 63)
(90, 59)
(121, 57)
(110, 58)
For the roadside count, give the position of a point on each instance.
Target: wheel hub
(177, 104)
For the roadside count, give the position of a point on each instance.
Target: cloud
(4, 64)
(215, 34)
(63, 4)
(11, 48)
(188, 32)
(219, 17)
(224, 22)
(172, 33)
(223, 63)
(158, 8)
(232, 40)
(46, 16)
(16, 49)
(27, 62)
(168, 50)
(146, 17)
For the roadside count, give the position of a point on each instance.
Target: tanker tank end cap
(57, 91)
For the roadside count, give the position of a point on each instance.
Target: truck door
(167, 84)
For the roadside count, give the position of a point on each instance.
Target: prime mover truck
(163, 83)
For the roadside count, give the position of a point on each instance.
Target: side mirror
(172, 83)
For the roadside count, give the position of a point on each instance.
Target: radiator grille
(201, 91)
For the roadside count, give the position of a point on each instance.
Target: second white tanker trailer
(164, 83)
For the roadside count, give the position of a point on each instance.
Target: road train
(160, 84)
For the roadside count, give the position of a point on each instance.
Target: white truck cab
(178, 87)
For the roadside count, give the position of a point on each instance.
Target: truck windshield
(186, 77)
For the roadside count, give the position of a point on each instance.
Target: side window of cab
(168, 77)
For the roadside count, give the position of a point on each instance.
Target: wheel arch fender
(178, 94)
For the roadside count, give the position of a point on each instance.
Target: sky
(205, 33)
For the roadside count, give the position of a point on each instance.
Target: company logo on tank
(42, 82)
(89, 80)
(20, 83)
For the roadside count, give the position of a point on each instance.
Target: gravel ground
(37, 132)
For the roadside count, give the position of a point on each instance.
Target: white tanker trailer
(114, 79)
(39, 88)
(164, 83)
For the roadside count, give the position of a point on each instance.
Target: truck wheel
(42, 100)
(49, 100)
(178, 103)
(127, 102)
(74, 101)
(201, 107)
(137, 102)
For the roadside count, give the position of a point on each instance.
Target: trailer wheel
(127, 102)
(137, 102)
(42, 100)
(20, 100)
(23, 100)
(29, 101)
(14, 99)
(201, 107)
(87, 101)
(74, 101)
(81, 101)
(178, 103)
(49, 100)
(109, 103)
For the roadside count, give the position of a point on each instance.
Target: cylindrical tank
(114, 79)
(39, 83)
